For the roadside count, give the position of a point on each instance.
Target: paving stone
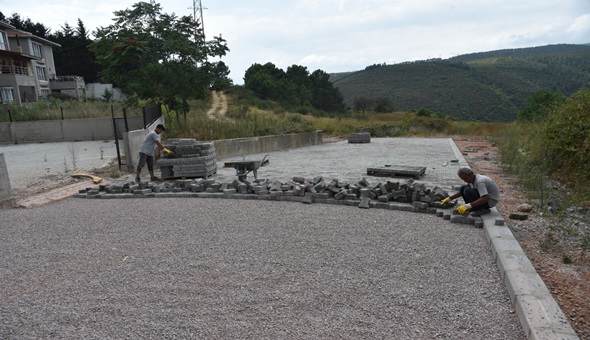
(519, 216)
(402, 207)
(364, 203)
(365, 192)
(341, 195)
(308, 199)
(421, 205)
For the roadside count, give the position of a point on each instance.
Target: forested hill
(486, 86)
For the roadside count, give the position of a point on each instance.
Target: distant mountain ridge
(484, 86)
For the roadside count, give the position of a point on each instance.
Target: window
(7, 96)
(41, 75)
(37, 50)
(3, 41)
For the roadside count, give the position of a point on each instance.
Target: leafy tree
(362, 104)
(539, 105)
(158, 56)
(326, 96)
(294, 88)
(383, 104)
(301, 84)
(564, 143)
(264, 80)
(27, 25)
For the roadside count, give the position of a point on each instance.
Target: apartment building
(27, 68)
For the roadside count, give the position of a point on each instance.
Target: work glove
(445, 201)
(166, 151)
(462, 209)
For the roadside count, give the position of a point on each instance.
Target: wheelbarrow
(244, 167)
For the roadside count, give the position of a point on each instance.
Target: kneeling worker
(480, 193)
(146, 152)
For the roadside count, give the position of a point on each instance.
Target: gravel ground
(237, 269)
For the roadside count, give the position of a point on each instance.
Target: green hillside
(487, 86)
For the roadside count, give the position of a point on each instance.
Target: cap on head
(161, 127)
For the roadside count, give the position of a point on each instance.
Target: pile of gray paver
(359, 137)
(409, 195)
(190, 159)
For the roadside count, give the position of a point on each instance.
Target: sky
(345, 35)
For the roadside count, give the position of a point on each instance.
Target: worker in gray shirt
(480, 193)
(146, 152)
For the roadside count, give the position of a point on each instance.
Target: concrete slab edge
(538, 312)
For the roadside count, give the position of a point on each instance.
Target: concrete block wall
(47, 131)
(239, 146)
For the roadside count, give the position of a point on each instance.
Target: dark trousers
(470, 195)
(143, 159)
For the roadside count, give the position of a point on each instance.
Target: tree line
(294, 88)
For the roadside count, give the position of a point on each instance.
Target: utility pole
(198, 10)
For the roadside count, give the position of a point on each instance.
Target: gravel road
(237, 269)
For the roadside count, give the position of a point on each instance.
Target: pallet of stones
(188, 147)
(190, 159)
(360, 137)
(414, 195)
(192, 167)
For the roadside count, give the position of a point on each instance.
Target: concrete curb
(538, 312)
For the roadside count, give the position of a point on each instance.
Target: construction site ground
(569, 283)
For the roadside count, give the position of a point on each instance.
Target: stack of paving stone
(190, 159)
(359, 137)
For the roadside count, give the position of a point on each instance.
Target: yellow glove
(166, 151)
(445, 201)
(462, 209)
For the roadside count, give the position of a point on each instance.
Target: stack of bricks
(360, 137)
(190, 159)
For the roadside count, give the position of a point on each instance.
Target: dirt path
(218, 110)
(569, 283)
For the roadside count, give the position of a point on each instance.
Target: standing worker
(146, 152)
(480, 193)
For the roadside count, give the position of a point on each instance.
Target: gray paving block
(308, 199)
(421, 205)
(402, 207)
(458, 219)
(364, 203)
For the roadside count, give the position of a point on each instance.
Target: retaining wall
(46, 131)
(230, 147)
(239, 146)
(6, 198)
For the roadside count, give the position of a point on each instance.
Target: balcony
(11, 69)
(75, 79)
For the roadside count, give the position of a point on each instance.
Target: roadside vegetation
(548, 149)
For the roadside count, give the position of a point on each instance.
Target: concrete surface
(28, 162)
